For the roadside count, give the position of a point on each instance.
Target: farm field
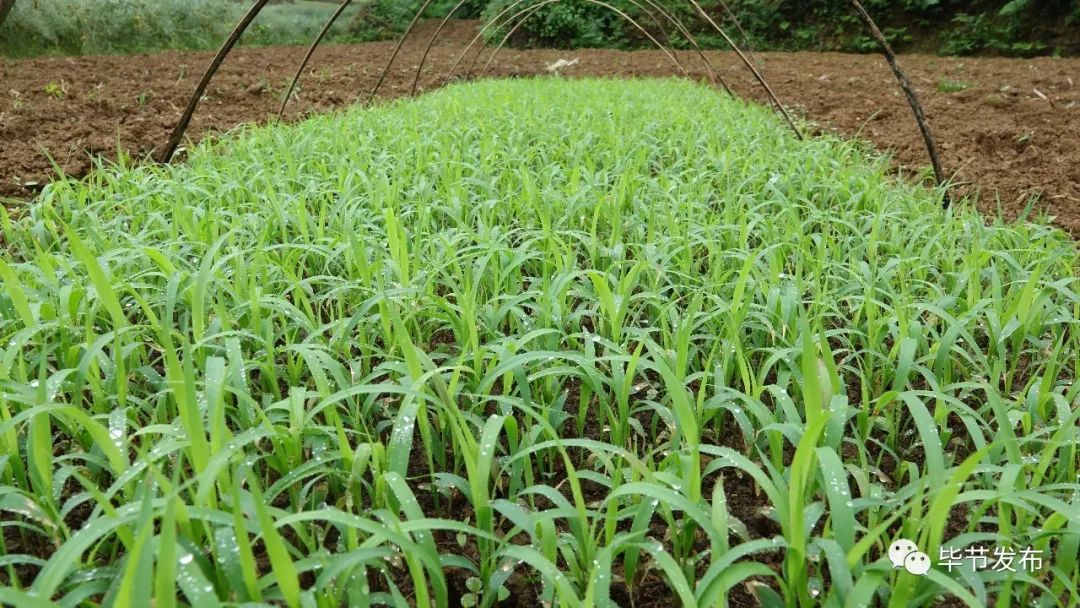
(588, 343)
(1009, 128)
(583, 334)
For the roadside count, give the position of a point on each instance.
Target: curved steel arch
(912, 97)
(431, 43)
(742, 32)
(311, 51)
(714, 76)
(525, 13)
(200, 90)
(528, 13)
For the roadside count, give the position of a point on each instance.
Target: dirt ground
(1009, 129)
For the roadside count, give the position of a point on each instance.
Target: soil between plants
(1009, 129)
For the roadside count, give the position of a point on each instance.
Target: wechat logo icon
(904, 554)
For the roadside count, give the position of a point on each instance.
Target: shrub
(114, 26)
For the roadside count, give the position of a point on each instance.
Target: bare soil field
(1009, 129)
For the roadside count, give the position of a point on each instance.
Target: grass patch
(952, 86)
(583, 342)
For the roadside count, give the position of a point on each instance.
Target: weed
(952, 86)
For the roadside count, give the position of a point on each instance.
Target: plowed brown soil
(1009, 129)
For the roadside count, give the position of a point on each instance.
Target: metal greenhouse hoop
(311, 51)
(200, 90)
(912, 97)
(543, 3)
(714, 76)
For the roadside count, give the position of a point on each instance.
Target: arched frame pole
(750, 66)
(623, 15)
(397, 49)
(912, 97)
(200, 90)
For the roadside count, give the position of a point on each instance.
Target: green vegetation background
(960, 27)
